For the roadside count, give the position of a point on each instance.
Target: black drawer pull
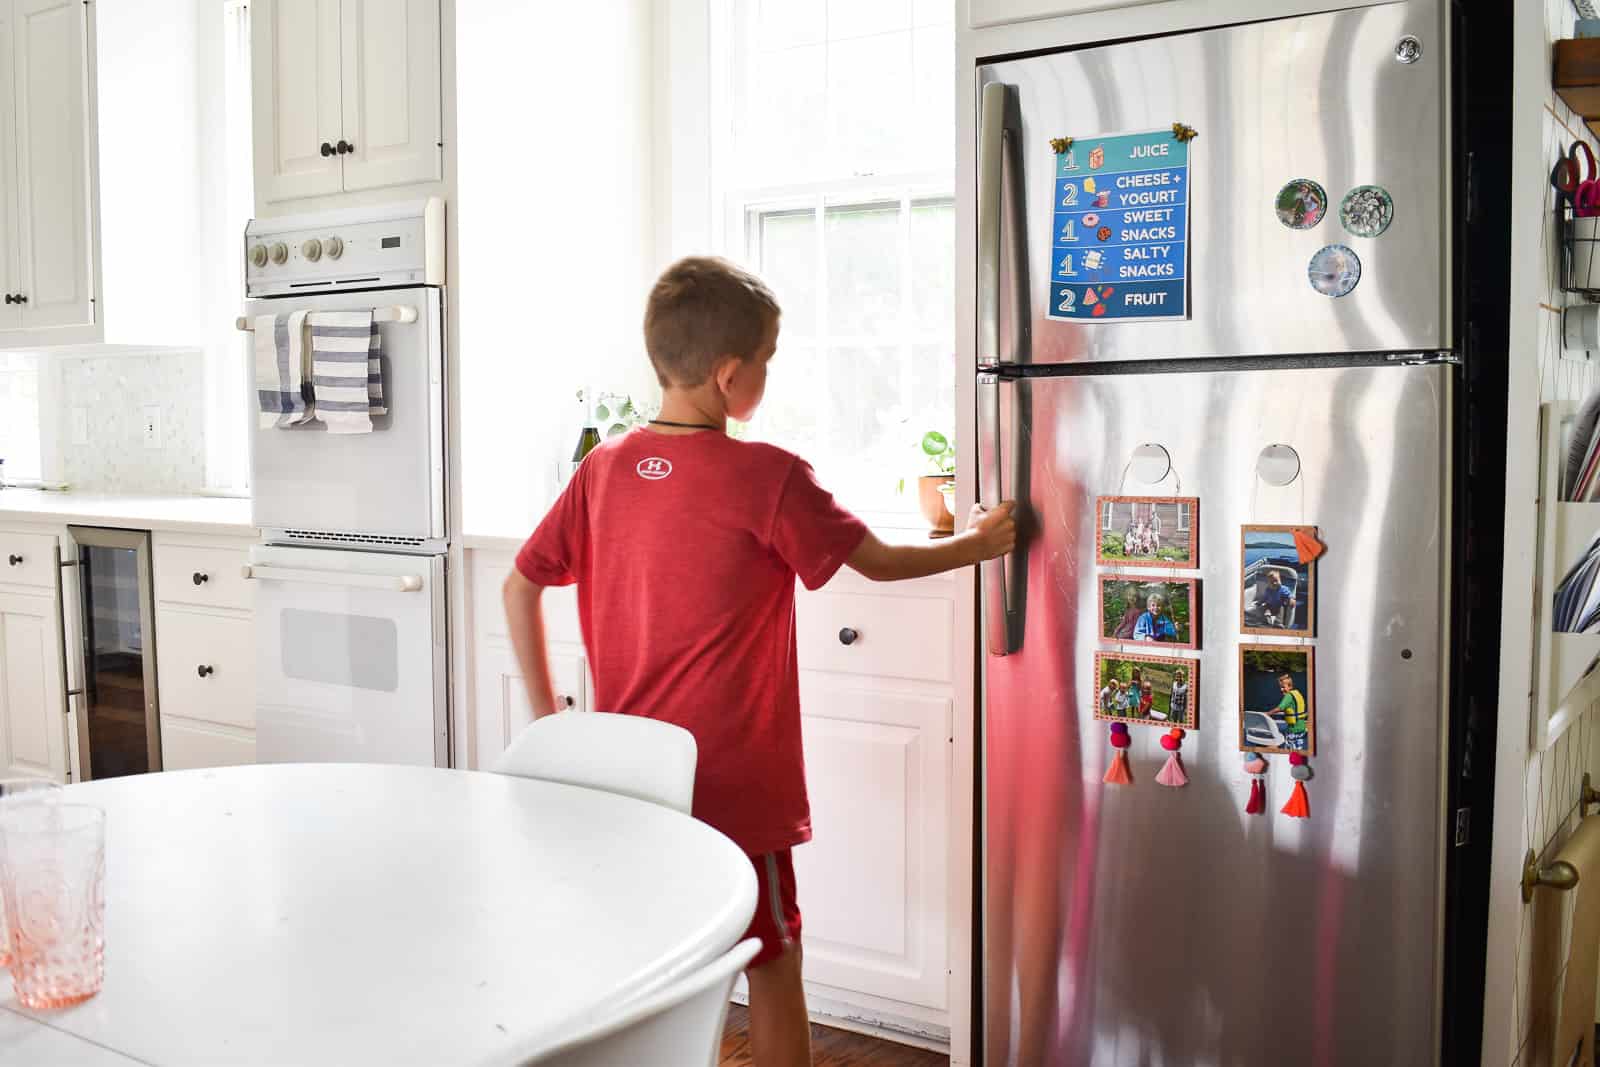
(201, 577)
(204, 671)
(848, 636)
(15, 561)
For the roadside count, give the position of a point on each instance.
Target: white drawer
(891, 636)
(185, 746)
(208, 577)
(27, 559)
(206, 666)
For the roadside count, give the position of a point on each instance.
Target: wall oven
(351, 624)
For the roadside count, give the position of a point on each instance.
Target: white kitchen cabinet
(34, 741)
(205, 651)
(347, 96)
(872, 880)
(502, 694)
(49, 257)
(998, 12)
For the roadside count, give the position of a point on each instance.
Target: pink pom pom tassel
(1118, 773)
(1171, 772)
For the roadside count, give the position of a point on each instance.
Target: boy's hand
(993, 529)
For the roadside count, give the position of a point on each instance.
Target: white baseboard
(882, 1025)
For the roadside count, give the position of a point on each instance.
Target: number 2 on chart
(1069, 301)
(1070, 199)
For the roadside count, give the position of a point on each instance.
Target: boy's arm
(990, 532)
(525, 616)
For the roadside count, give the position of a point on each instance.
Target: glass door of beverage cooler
(119, 729)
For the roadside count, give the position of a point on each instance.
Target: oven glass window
(352, 651)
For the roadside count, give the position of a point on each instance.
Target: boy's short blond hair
(703, 309)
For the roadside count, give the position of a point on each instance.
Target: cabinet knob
(327, 149)
(345, 148)
(201, 578)
(204, 670)
(566, 702)
(848, 636)
(22, 298)
(11, 298)
(15, 561)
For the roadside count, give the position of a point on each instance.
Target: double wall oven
(350, 572)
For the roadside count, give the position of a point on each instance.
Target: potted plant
(936, 490)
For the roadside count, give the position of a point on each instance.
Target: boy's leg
(780, 1031)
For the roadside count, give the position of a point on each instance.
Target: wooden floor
(829, 1048)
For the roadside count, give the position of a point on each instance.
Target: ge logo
(653, 469)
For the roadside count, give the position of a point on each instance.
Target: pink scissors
(1579, 184)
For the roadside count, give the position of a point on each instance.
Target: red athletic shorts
(777, 918)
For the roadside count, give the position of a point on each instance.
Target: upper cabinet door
(53, 231)
(10, 313)
(294, 53)
(391, 93)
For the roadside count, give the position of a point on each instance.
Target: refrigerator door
(1322, 98)
(1164, 926)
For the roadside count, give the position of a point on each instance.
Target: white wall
(556, 231)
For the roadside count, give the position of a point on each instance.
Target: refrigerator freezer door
(1319, 97)
(1151, 925)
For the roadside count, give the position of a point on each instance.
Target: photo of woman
(1163, 612)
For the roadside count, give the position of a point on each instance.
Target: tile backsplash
(104, 449)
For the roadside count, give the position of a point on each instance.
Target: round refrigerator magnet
(1334, 270)
(1301, 204)
(1366, 210)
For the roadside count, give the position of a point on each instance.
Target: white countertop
(346, 913)
(188, 514)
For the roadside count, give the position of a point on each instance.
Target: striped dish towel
(283, 394)
(346, 370)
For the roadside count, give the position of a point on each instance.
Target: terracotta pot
(931, 502)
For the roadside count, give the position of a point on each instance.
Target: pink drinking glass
(21, 791)
(53, 873)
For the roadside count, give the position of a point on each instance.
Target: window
(837, 175)
(227, 364)
(19, 418)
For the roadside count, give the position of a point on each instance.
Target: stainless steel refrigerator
(1147, 925)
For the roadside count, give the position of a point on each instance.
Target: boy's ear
(723, 373)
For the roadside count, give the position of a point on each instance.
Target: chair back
(626, 754)
(678, 1026)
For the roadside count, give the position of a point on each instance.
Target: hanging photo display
(1162, 611)
(1277, 710)
(1151, 690)
(1120, 215)
(1278, 592)
(1148, 531)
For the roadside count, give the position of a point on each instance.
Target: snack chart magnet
(1121, 225)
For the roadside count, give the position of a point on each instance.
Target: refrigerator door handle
(1001, 578)
(1000, 230)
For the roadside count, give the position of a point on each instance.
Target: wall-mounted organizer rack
(1564, 684)
(1580, 251)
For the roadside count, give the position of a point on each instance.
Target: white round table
(340, 913)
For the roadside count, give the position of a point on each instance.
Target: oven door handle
(393, 583)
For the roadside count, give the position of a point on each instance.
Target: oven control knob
(333, 247)
(312, 249)
(258, 255)
(280, 252)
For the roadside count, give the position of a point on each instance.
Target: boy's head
(712, 323)
(1286, 682)
(1274, 579)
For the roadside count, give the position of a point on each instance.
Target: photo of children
(1276, 712)
(1146, 689)
(1148, 531)
(1160, 611)
(1278, 592)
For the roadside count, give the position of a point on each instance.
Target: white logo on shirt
(654, 469)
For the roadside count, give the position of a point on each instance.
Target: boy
(1147, 703)
(1292, 710)
(1178, 704)
(1278, 602)
(1108, 696)
(685, 545)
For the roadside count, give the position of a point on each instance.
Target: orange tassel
(1118, 773)
(1299, 805)
(1308, 547)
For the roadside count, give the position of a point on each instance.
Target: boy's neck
(693, 409)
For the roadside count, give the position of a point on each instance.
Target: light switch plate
(152, 426)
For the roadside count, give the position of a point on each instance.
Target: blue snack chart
(1120, 225)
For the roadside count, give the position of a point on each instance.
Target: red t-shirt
(685, 549)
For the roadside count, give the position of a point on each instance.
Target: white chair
(636, 757)
(678, 1026)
